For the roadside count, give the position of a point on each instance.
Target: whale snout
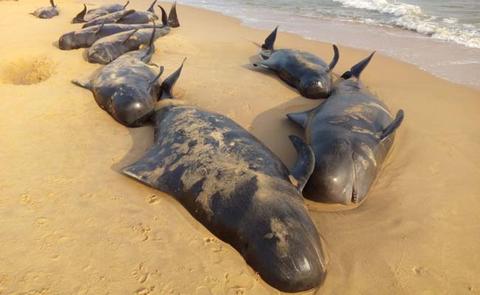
(289, 256)
(65, 42)
(131, 112)
(317, 87)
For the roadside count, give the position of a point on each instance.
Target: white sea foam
(411, 17)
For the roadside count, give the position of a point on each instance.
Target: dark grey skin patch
(350, 134)
(138, 17)
(46, 12)
(306, 72)
(237, 188)
(103, 10)
(107, 49)
(85, 38)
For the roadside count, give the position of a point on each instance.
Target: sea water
(439, 36)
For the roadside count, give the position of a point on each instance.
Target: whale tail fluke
(167, 85)
(172, 16)
(357, 69)
(336, 57)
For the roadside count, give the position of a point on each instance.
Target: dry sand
(70, 223)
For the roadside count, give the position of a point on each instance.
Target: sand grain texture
(70, 223)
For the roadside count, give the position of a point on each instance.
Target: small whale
(128, 88)
(46, 12)
(309, 74)
(350, 134)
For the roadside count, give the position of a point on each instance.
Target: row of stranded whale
(224, 176)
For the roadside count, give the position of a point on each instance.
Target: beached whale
(237, 188)
(107, 49)
(350, 134)
(108, 18)
(309, 74)
(46, 12)
(128, 88)
(86, 16)
(85, 38)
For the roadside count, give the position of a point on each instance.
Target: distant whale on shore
(46, 12)
(309, 74)
(350, 134)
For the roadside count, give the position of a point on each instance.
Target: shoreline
(437, 57)
(72, 223)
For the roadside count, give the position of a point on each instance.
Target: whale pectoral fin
(167, 85)
(84, 84)
(146, 170)
(303, 168)
(393, 125)
(152, 7)
(99, 28)
(129, 36)
(299, 118)
(357, 69)
(336, 57)
(126, 4)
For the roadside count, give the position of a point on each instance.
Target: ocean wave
(383, 6)
(412, 18)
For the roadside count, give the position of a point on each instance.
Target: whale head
(342, 175)
(316, 86)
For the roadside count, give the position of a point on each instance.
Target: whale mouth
(354, 198)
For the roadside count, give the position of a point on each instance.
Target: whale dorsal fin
(304, 165)
(164, 16)
(152, 7)
(79, 18)
(357, 69)
(172, 16)
(167, 85)
(270, 40)
(300, 118)
(393, 125)
(336, 57)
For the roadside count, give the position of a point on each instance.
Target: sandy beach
(71, 223)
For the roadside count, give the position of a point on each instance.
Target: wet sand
(70, 223)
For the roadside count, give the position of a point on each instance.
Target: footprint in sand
(27, 70)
